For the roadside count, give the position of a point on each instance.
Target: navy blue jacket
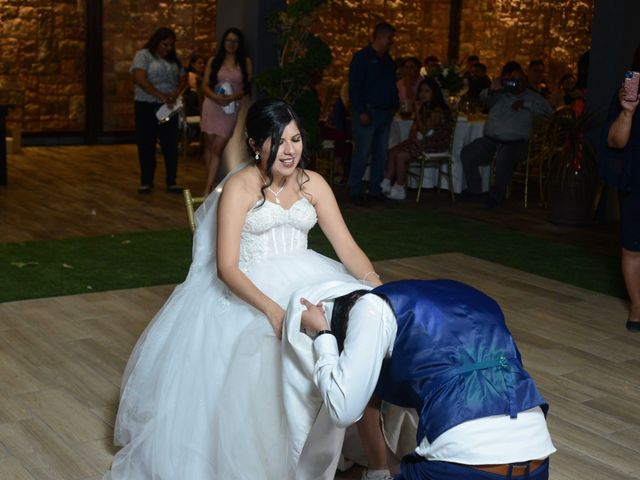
(453, 359)
(372, 82)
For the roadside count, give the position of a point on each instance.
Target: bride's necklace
(275, 194)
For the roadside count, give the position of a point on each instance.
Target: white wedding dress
(201, 397)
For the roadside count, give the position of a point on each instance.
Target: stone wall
(42, 56)
(42, 44)
(42, 63)
(557, 31)
(128, 24)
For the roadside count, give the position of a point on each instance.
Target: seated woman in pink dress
(430, 132)
(227, 79)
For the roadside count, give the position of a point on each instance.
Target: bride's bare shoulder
(244, 186)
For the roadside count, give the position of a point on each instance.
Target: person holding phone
(619, 162)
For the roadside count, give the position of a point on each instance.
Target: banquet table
(465, 132)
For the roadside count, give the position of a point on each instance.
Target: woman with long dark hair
(430, 132)
(227, 79)
(159, 79)
(201, 394)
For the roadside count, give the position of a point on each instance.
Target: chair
(438, 160)
(325, 160)
(191, 203)
(536, 155)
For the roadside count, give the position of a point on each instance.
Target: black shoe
(633, 326)
(174, 189)
(145, 189)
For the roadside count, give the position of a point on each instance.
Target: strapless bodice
(270, 230)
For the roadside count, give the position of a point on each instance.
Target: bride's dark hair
(267, 119)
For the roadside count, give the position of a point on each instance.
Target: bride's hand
(276, 319)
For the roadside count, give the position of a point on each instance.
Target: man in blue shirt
(374, 98)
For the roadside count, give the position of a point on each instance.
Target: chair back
(191, 203)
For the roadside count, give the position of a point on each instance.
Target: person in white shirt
(442, 348)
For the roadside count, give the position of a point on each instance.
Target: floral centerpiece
(449, 78)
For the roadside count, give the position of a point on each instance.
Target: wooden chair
(191, 203)
(442, 162)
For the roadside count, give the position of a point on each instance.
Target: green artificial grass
(78, 265)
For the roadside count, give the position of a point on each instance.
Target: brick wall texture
(42, 44)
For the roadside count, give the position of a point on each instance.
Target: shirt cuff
(325, 345)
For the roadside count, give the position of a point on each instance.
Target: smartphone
(631, 81)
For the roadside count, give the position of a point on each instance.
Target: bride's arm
(235, 202)
(333, 226)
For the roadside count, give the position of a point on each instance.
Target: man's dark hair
(535, 63)
(510, 67)
(473, 58)
(340, 315)
(383, 27)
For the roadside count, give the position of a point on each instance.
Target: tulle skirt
(201, 396)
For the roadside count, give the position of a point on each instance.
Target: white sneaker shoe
(397, 192)
(376, 475)
(386, 186)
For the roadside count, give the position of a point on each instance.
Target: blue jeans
(370, 140)
(414, 467)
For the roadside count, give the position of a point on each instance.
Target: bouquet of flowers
(449, 78)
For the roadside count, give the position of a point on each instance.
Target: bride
(201, 396)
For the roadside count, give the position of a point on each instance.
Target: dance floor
(61, 361)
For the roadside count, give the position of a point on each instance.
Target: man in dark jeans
(506, 133)
(374, 99)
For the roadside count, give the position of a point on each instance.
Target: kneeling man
(442, 348)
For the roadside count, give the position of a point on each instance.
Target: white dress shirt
(347, 381)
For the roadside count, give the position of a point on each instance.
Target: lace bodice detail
(270, 230)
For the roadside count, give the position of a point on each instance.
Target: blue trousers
(414, 467)
(370, 140)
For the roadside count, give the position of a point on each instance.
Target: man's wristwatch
(323, 332)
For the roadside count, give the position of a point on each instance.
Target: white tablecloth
(465, 133)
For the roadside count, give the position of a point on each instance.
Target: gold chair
(325, 160)
(536, 156)
(438, 161)
(191, 203)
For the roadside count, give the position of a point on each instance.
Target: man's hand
(313, 319)
(496, 84)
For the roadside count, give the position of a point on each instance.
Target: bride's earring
(257, 156)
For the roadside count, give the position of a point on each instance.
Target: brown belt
(516, 469)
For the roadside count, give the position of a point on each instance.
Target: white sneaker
(386, 186)
(376, 475)
(397, 193)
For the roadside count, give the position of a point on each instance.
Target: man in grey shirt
(506, 133)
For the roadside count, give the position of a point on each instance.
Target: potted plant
(302, 57)
(572, 178)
